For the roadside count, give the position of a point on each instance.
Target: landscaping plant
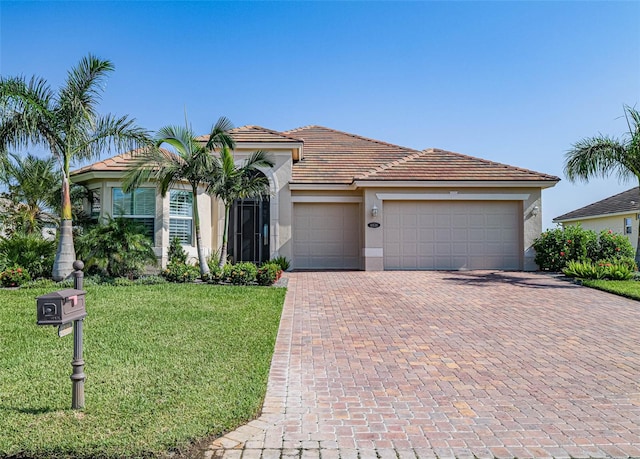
(268, 273)
(118, 248)
(29, 251)
(555, 248)
(14, 277)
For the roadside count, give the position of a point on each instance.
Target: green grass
(166, 365)
(628, 288)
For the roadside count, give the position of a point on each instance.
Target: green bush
(242, 273)
(268, 273)
(179, 272)
(29, 251)
(282, 262)
(177, 254)
(612, 246)
(122, 282)
(14, 277)
(602, 269)
(557, 247)
(118, 248)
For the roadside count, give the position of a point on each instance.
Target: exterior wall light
(535, 211)
(374, 211)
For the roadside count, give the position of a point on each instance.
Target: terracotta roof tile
(436, 164)
(336, 157)
(627, 201)
(255, 134)
(332, 156)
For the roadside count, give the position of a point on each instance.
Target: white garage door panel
(452, 235)
(326, 236)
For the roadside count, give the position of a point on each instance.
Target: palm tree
(31, 184)
(67, 124)
(601, 155)
(230, 182)
(189, 161)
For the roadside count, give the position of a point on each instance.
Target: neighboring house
(618, 213)
(342, 201)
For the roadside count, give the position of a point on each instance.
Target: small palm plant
(230, 182)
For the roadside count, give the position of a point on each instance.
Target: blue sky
(514, 82)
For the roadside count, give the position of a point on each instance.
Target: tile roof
(255, 134)
(332, 156)
(116, 163)
(436, 164)
(627, 201)
(336, 157)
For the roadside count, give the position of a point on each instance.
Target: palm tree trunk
(204, 267)
(225, 235)
(66, 254)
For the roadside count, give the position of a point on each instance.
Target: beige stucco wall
(614, 223)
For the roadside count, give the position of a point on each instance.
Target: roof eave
(560, 219)
(457, 183)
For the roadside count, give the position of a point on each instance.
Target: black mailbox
(61, 307)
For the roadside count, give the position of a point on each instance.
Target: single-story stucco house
(618, 213)
(342, 201)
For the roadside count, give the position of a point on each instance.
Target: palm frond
(219, 136)
(594, 157)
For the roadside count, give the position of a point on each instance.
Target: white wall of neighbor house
(615, 223)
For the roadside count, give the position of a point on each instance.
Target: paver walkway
(448, 364)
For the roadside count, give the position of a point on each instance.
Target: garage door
(452, 235)
(326, 236)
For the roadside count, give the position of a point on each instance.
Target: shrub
(14, 277)
(29, 251)
(557, 247)
(602, 269)
(213, 261)
(177, 254)
(179, 272)
(216, 274)
(282, 262)
(119, 248)
(612, 246)
(242, 273)
(268, 273)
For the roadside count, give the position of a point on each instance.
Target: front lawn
(166, 365)
(628, 288)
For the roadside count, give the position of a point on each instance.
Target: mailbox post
(78, 376)
(61, 308)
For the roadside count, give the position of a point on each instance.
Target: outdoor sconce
(535, 211)
(374, 211)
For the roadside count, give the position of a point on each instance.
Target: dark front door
(249, 229)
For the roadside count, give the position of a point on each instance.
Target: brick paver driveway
(448, 364)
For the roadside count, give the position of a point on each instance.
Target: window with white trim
(139, 205)
(181, 216)
(628, 228)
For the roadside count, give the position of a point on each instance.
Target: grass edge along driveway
(166, 365)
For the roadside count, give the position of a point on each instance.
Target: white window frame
(141, 218)
(628, 225)
(182, 214)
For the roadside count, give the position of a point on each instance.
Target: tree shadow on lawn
(516, 278)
